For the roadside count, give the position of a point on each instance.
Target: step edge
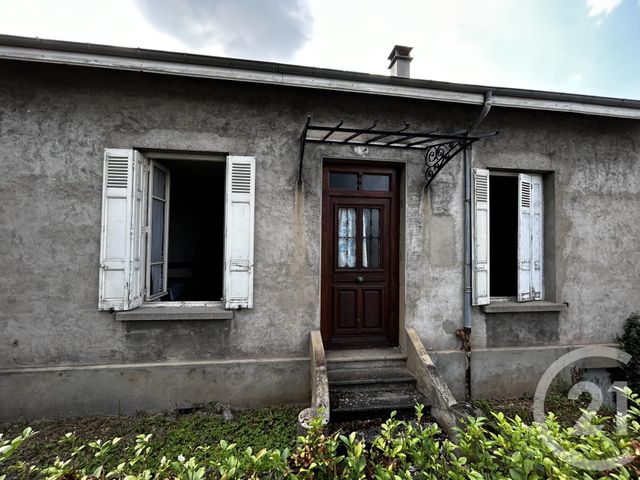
(397, 356)
(376, 408)
(402, 400)
(371, 381)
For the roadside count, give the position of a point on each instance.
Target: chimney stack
(400, 60)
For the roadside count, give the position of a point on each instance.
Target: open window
(176, 228)
(507, 236)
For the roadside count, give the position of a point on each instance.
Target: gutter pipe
(465, 333)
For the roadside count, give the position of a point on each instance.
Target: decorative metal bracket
(439, 148)
(440, 154)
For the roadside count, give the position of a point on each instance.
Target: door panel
(346, 307)
(372, 308)
(360, 256)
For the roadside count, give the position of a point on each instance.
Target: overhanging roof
(221, 68)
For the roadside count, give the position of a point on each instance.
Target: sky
(577, 46)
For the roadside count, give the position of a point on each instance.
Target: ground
(270, 427)
(567, 411)
(173, 434)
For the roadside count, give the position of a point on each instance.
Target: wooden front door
(360, 214)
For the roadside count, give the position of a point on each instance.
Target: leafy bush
(173, 433)
(405, 449)
(630, 343)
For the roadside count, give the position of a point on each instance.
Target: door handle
(359, 279)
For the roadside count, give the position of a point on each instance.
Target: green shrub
(630, 343)
(405, 449)
(8, 448)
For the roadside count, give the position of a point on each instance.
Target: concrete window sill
(150, 314)
(524, 307)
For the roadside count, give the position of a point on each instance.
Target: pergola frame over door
(438, 148)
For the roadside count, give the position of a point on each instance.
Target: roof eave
(220, 68)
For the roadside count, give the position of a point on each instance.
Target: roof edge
(222, 68)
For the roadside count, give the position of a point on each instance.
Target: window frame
(151, 156)
(544, 179)
(127, 233)
(148, 230)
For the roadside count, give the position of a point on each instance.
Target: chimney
(400, 60)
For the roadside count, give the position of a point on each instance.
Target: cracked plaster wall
(55, 122)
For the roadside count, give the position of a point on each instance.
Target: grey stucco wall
(55, 122)
(594, 199)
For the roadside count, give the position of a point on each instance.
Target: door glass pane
(376, 183)
(157, 270)
(157, 230)
(159, 183)
(343, 181)
(371, 238)
(346, 237)
(156, 278)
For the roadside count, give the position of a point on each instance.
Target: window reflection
(371, 238)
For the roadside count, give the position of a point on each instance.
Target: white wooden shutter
(537, 242)
(524, 238)
(480, 236)
(239, 220)
(120, 283)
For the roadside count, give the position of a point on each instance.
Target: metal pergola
(439, 148)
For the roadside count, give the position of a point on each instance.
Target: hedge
(487, 448)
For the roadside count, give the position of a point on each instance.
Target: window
(176, 228)
(508, 242)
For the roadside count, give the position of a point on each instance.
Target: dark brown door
(360, 256)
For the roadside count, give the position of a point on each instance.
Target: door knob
(359, 279)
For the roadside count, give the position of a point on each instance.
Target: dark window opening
(503, 235)
(196, 230)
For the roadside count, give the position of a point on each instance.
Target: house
(174, 226)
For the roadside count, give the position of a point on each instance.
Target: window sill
(171, 313)
(524, 307)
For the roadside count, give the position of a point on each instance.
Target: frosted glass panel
(346, 237)
(371, 238)
(375, 183)
(343, 181)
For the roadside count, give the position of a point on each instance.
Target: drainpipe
(465, 333)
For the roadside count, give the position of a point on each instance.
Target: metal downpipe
(465, 333)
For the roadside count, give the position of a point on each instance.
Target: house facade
(171, 234)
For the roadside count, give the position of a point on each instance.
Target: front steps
(370, 383)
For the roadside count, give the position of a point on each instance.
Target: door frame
(326, 260)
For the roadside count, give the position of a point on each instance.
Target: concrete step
(374, 402)
(393, 378)
(366, 358)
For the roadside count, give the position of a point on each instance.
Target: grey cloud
(269, 29)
